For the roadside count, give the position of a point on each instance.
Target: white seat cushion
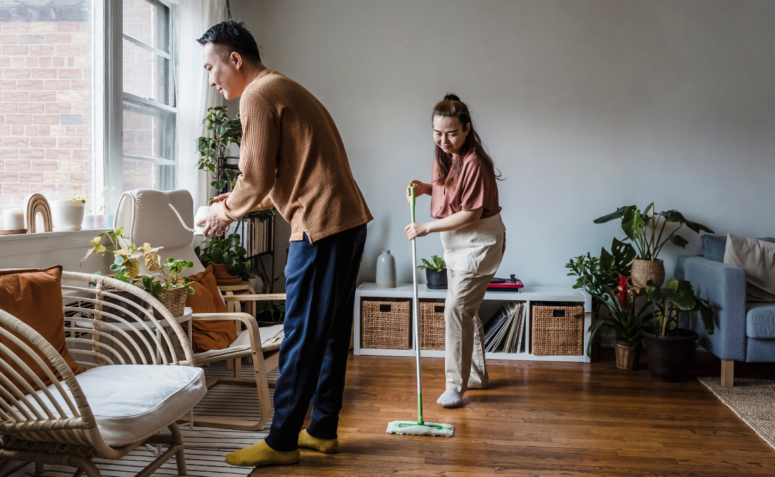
(271, 337)
(132, 402)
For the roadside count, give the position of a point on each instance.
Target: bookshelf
(528, 295)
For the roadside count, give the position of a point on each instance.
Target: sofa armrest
(724, 286)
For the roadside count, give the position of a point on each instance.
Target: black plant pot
(436, 280)
(669, 357)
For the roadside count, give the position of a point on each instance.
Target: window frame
(109, 96)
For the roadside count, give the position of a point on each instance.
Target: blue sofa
(743, 331)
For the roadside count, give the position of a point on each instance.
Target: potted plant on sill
(435, 272)
(624, 320)
(594, 273)
(670, 348)
(646, 266)
(169, 286)
(227, 256)
(68, 214)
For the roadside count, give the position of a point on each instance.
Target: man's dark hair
(233, 36)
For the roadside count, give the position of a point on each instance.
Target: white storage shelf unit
(527, 295)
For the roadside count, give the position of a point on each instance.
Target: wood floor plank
(538, 418)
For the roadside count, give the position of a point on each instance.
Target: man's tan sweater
(292, 158)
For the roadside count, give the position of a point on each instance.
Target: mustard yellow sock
(327, 446)
(260, 454)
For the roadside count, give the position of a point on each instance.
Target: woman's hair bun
(451, 97)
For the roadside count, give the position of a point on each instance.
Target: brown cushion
(757, 259)
(209, 335)
(35, 297)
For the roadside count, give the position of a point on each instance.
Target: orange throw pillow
(209, 335)
(35, 297)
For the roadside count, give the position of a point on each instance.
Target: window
(149, 96)
(56, 124)
(47, 90)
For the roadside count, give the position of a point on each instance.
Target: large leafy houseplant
(624, 317)
(228, 252)
(670, 347)
(635, 222)
(214, 148)
(677, 296)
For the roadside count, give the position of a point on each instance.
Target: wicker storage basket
(386, 324)
(557, 329)
(645, 270)
(175, 301)
(432, 325)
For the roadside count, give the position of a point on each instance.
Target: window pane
(147, 175)
(147, 21)
(145, 73)
(47, 95)
(149, 133)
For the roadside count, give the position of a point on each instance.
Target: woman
(464, 199)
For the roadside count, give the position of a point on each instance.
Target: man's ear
(236, 59)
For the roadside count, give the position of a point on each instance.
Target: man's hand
(213, 226)
(221, 198)
(416, 229)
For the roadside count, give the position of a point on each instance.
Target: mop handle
(416, 313)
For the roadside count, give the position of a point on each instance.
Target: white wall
(584, 105)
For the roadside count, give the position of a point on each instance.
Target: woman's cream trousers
(473, 255)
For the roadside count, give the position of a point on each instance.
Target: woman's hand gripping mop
(419, 428)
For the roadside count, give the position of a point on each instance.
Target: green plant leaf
(678, 240)
(632, 223)
(616, 215)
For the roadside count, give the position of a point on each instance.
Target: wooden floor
(542, 419)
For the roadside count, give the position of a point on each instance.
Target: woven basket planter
(557, 330)
(645, 270)
(432, 326)
(174, 300)
(626, 359)
(386, 324)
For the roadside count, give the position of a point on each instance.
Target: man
(292, 158)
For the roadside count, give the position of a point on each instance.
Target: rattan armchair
(71, 421)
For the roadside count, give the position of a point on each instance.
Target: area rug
(205, 447)
(753, 400)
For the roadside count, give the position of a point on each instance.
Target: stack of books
(257, 237)
(506, 329)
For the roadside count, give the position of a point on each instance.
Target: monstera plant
(646, 266)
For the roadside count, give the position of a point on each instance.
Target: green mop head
(411, 428)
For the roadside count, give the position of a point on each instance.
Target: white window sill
(22, 244)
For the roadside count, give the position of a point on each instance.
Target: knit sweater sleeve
(258, 159)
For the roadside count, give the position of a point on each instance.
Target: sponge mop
(418, 428)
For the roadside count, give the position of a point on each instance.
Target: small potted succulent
(624, 320)
(646, 266)
(435, 272)
(68, 214)
(227, 256)
(669, 347)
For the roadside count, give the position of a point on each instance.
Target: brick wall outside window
(45, 109)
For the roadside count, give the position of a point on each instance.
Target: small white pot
(67, 215)
(88, 222)
(100, 221)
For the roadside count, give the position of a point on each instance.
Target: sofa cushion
(209, 335)
(760, 320)
(714, 246)
(757, 259)
(35, 298)
(132, 402)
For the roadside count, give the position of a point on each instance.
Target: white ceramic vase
(386, 270)
(67, 215)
